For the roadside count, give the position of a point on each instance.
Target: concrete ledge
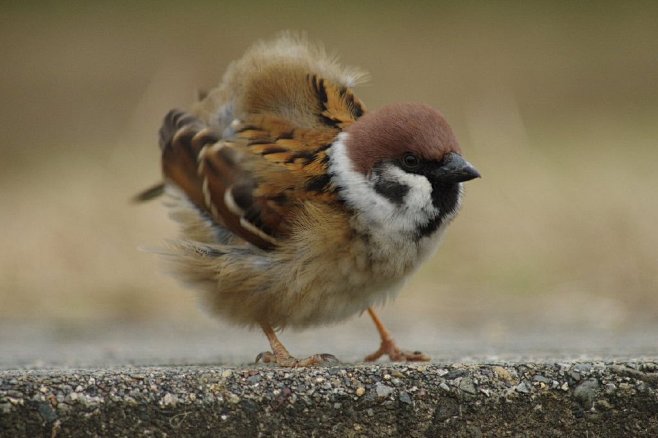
(551, 399)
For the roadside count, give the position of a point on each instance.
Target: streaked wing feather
(339, 107)
(254, 182)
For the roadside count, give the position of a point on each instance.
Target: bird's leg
(280, 355)
(389, 347)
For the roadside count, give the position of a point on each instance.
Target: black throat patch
(394, 191)
(445, 198)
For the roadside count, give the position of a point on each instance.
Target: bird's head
(402, 163)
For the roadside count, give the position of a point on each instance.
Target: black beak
(454, 169)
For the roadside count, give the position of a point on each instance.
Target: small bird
(298, 207)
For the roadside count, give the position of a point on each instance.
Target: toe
(390, 349)
(325, 357)
(290, 362)
(266, 357)
(317, 359)
(374, 356)
(415, 356)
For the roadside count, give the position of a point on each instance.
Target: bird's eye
(410, 161)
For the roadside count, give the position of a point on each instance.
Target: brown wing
(256, 178)
(279, 168)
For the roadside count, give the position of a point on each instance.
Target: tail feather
(148, 194)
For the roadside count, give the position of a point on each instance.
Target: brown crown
(392, 131)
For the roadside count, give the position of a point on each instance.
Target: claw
(292, 362)
(266, 357)
(328, 358)
(390, 349)
(282, 357)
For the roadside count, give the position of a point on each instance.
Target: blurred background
(556, 103)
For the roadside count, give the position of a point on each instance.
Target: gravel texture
(572, 398)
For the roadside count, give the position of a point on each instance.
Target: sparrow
(298, 207)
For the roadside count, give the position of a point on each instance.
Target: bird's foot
(288, 361)
(389, 347)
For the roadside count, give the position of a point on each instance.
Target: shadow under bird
(297, 206)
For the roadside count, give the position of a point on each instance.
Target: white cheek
(356, 190)
(419, 197)
(372, 208)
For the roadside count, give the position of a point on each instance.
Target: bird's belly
(306, 287)
(346, 286)
(335, 301)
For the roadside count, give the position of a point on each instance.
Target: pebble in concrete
(365, 400)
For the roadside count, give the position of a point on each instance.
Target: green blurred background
(556, 103)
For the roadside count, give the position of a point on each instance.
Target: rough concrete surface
(163, 380)
(505, 399)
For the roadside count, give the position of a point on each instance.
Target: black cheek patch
(393, 191)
